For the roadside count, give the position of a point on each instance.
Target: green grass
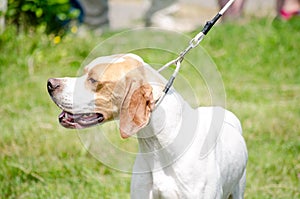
(260, 67)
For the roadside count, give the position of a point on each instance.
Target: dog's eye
(92, 80)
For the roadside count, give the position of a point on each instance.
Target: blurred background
(255, 53)
(187, 14)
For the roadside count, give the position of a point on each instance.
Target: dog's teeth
(68, 115)
(88, 115)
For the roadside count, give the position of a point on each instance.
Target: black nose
(52, 85)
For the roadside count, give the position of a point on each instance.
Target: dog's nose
(52, 85)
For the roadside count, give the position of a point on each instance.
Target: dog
(183, 152)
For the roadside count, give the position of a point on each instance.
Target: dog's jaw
(80, 121)
(76, 102)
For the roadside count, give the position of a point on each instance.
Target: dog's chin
(79, 121)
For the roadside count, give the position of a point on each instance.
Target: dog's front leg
(141, 182)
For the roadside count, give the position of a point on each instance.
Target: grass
(258, 62)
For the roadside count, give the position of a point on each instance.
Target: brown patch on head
(113, 71)
(100, 74)
(109, 81)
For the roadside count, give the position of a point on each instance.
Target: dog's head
(112, 87)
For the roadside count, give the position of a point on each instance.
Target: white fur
(75, 98)
(175, 168)
(189, 153)
(105, 59)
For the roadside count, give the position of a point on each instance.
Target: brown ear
(136, 109)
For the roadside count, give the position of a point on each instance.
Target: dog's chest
(164, 186)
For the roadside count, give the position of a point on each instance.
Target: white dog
(183, 152)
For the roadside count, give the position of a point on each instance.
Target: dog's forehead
(104, 60)
(113, 67)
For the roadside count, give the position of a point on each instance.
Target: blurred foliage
(50, 16)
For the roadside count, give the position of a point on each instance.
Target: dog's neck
(160, 129)
(166, 136)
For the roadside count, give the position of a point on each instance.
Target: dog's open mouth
(79, 121)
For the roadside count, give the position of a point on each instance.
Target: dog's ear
(136, 108)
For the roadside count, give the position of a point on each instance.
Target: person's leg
(156, 5)
(3, 9)
(291, 5)
(95, 13)
(279, 4)
(286, 9)
(235, 10)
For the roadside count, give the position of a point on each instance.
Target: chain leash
(192, 44)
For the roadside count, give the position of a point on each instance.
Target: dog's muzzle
(68, 119)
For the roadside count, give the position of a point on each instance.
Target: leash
(192, 44)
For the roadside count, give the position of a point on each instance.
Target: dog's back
(223, 150)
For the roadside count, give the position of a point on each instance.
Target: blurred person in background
(234, 12)
(286, 9)
(94, 14)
